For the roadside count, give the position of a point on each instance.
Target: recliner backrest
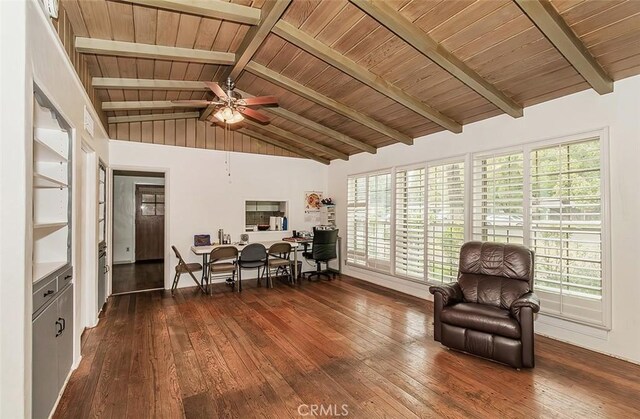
(495, 274)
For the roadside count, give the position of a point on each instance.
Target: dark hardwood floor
(139, 276)
(265, 352)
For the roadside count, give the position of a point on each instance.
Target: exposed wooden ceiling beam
(324, 52)
(147, 84)
(213, 8)
(145, 105)
(310, 94)
(298, 139)
(152, 117)
(548, 20)
(388, 17)
(283, 145)
(294, 117)
(272, 11)
(155, 52)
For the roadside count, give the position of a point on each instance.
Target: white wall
(124, 215)
(581, 112)
(22, 24)
(201, 198)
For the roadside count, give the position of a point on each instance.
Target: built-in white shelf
(56, 140)
(51, 190)
(43, 269)
(49, 226)
(45, 153)
(43, 181)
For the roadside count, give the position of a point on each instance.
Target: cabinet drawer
(64, 278)
(44, 294)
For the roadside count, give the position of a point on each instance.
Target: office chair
(322, 251)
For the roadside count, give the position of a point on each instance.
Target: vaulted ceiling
(350, 76)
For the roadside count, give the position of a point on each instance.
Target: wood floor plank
(266, 352)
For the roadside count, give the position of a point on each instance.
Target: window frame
(397, 169)
(467, 175)
(384, 171)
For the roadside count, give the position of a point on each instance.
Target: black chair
(252, 256)
(323, 250)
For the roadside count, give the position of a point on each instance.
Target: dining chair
(185, 268)
(252, 256)
(222, 263)
(278, 259)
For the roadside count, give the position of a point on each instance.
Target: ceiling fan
(230, 107)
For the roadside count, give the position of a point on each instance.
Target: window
(498, 198)
(548, 196)
(409, 256)
(446, 221)
(566, 226)
(379, 221)
(151, 200)
(369, 221)
(357, 220)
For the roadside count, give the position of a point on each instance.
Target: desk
(206, 250)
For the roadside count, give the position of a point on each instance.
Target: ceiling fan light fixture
(228, 115)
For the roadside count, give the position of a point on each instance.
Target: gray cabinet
(52, 354)
(45, 368)
(65, 340)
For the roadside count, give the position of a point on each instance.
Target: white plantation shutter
(357, 220)
(379, 221)
(498, 198)
(566, 228)
(445, 220)
(409, 234)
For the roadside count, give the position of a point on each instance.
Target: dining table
(205, 251)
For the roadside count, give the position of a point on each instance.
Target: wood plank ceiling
(350, 76)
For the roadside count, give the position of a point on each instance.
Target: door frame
(167, 223)
(86, 293)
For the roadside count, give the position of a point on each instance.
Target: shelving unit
(51, 192)
(52, 293)
(328, 215)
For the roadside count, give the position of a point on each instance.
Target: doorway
(138, 231)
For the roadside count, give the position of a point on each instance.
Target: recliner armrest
(529, 299)
(451, 292)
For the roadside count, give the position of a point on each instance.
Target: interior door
(149, 222)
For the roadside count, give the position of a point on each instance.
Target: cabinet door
(65, 340)
(45, 361)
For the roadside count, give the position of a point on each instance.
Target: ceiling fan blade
(217, 90)
(193, 102)
(260, 100)
(253, 114)
(232, 127)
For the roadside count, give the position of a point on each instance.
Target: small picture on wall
(312, 202)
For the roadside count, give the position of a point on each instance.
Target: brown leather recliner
(489, 310)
